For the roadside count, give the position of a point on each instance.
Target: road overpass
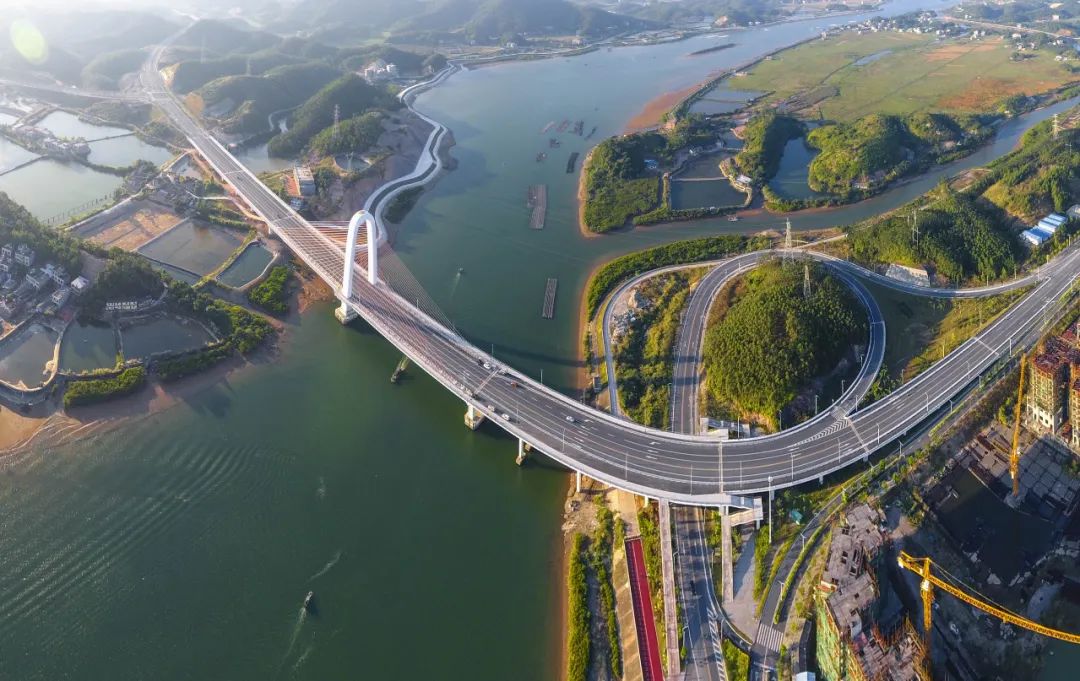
(682, 468)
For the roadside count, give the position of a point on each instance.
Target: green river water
(181, 544)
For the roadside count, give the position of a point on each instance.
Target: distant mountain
(73, 40)
(480, 20)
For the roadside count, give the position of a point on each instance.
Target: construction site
(970, 572)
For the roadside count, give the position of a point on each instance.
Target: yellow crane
(921, 567)
(1014, 453)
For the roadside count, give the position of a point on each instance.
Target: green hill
(959, 240)
(256, 97)
(356, 134)
(773, 340)
(105, 70)
(876, 149)
(351, 93)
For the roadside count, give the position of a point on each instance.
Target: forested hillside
(351, 94)
(773, 340)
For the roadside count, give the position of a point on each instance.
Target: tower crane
(921, 567)
(1014, 452)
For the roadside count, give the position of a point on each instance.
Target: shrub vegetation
(577, 635)
(96, 390)
(272, 293)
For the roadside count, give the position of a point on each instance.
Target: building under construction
(1053, 399)
(862, 634)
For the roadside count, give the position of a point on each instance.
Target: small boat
(309, 603)
(733, 218)
(461, 270)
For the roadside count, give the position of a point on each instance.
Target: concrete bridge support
(346, 314)
(523, 451)
(473, 417)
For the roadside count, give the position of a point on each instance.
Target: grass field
(921, 329)
(909, 73)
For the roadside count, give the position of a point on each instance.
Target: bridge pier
(344, 313)
(577, 482)
(523, 451)
(473, 418)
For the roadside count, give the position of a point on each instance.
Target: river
(181, 544)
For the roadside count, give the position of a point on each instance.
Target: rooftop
(856, 541)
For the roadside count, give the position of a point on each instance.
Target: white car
(487, 366)
(505, 416)
(570, 419)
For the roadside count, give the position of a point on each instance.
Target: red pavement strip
(648, 643)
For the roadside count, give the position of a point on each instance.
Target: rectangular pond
(121, 152)
(704, 194)
(87, 347)
(722, 99)
(193, 246)
(25, 358)
(164, 334)
(249, 265)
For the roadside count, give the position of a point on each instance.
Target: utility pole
(337, 120)
(770, 510)
(1057, 127)
(787, 240)
(806, 281)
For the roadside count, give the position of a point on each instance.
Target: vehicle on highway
(487, 366)
(505, 416)
(491, 407)
(570, 419)
(515, 384)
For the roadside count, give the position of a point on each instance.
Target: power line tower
(787, 240)
(914, 225)
(1057, 126)
(337, 120)
(806, 281)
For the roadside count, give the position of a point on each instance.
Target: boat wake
(300, 619)
(326, 568)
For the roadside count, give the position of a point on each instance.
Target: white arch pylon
(350, 251)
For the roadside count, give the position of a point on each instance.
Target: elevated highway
(686, 469)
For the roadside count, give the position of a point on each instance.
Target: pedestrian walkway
(648, 642)
(742, 610)
(624, 610)
(769, 637)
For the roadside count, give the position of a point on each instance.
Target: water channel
(184, 542)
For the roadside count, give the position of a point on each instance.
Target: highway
(682, 468)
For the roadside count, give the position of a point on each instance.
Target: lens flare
(29, 42)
